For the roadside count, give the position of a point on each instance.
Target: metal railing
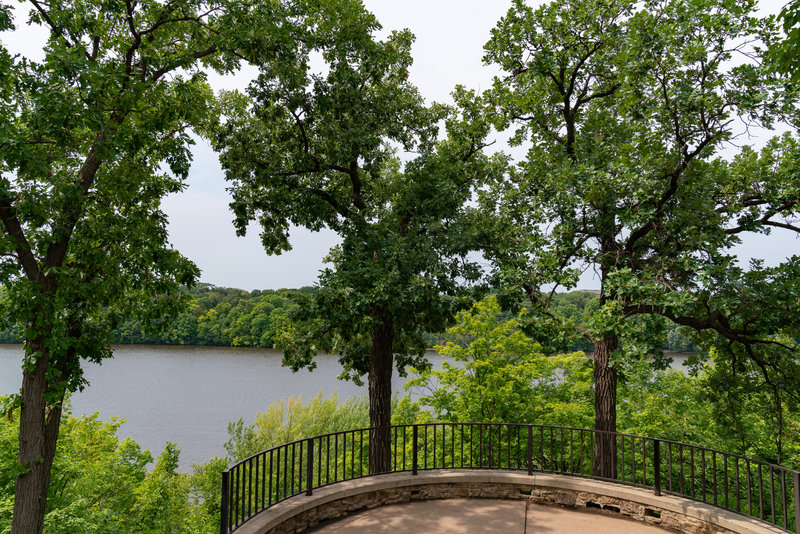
(764, 491)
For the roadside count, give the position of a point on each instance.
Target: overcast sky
(450, 35)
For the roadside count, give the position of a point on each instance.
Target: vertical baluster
(749, 488)
(530, 450)
(414, 449)
(760, 493)
(346, 476)
(691, 465)
(622, 463)
(236, 500)
(471, 445)
(249, 487)
(453, 445)
(480, 444)
(772, 493)
(264, 475)
(657, 467)
(292, 475)
(541, 448)
(714, 472)
(309, 466)
(796, 483)
(328, 459)
(703, 475)
(725, 488)
(255, 495)
(508, 455)
(644, 462)
(425, 448)
(405, 438)
(319, 463)
(336, 457)
(680, 447)
(444, 446)
(738, 492)
(563, 467)
(571, 451)
(783, 499)
(460, 427)
(223, 505)
(301, 472)
(669, 460)
(270, 476)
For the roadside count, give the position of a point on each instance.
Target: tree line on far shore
(229, 317)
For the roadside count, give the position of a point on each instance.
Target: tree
(626, 107)
(101, 483)
(91, 138)
(315, 145)
(501, 376)
(784, 53)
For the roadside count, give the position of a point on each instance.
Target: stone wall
(301, 513)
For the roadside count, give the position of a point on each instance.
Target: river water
(189, 394)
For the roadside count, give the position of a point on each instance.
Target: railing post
(414, 436)
(310, 466)
(223, 506)
(656, 467)
(796, 477)
(530, 450)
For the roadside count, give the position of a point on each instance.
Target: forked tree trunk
(605, 408)
(38, 436)
(381, 360)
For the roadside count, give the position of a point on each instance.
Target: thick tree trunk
(605, 408)
(38, 436)
(381, 360)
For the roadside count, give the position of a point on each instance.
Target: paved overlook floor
(455, 516)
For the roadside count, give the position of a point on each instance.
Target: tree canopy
(625, 109)
(91, 138)
(316, 145)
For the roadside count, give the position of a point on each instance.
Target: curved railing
(767, 492)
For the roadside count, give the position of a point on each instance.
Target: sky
(450, 35)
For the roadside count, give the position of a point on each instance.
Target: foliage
(216, 316)
(314, 149)
(785, 52)
(233, 317)
(316, 144)
(750, 418)
(668, 404)
(624, 109)
(287, 421)
(500, 375)
(221, 316)
(101, 483)
(92, 137)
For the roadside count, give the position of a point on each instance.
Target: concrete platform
(457, 516)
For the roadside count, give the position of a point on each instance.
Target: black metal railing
(764, 491)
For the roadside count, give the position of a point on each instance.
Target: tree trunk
(605, 408)
(381, 360)
(38, 436)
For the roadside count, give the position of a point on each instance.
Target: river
(189, 394)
